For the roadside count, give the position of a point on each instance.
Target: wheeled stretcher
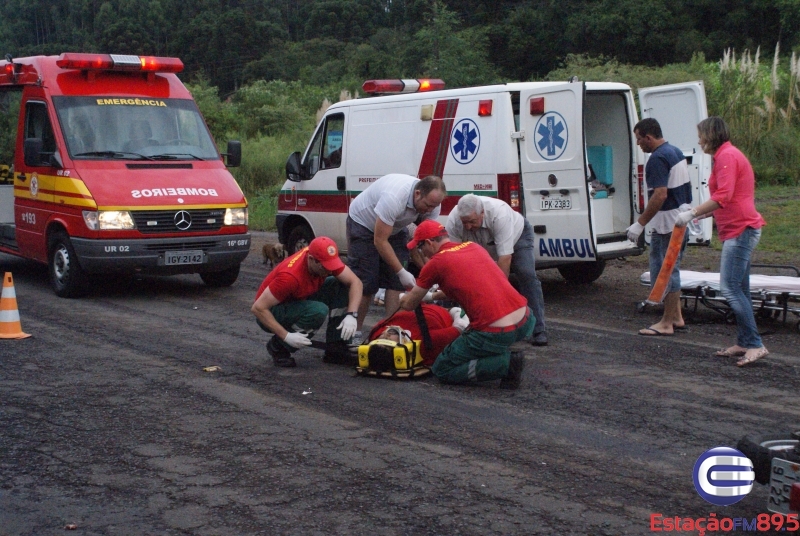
(772, 295)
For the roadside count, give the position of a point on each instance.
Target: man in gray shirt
(508, 237)
(377, 236)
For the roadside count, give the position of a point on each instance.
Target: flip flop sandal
(727, 352)
(752, 358)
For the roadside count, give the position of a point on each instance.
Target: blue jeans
(658, 250)
(523, 264)
(734, 279)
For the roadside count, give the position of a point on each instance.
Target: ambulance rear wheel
(225, 278)
(582, 273)
(66, 275)
(299, 237)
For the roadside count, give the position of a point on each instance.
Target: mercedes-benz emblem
(183, 220)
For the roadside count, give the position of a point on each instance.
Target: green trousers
(478, 356)
(306, 316)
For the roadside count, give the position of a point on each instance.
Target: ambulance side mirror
(234, 154)
(33, 152)
(294, 170)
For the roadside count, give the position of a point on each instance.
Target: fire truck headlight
(107, 220)
(236, 216)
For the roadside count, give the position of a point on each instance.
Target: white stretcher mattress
(770, 283)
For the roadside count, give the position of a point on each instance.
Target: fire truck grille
(177, 221)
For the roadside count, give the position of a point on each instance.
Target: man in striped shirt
(668, 189)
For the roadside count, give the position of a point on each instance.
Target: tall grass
(759, 102)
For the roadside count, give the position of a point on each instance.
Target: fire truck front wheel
(66, 275)
(225, 278)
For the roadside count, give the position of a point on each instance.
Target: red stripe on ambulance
(435, 154)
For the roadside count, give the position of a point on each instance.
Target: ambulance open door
(678, 108)
(552, 163)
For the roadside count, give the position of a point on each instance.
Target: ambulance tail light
(118, 62)
(508, 189)
(640, 186)
(388, 87)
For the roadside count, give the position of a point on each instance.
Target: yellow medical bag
(403, 362)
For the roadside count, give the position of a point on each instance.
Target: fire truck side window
(9, 118)
(37, 125)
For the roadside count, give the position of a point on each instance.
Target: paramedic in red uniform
(376, 232)
(499, 315)
(444, 327)
(508, 237)
(296, 297)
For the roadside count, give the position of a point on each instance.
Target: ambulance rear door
(552, 164)
(678, 108)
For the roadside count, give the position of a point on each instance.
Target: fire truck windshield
(133, 128)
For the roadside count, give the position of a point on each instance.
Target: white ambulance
(562, 154)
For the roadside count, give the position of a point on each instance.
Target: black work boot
(339, 353)
(515, 367)
(281, 357)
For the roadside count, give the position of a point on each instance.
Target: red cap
(425, 231)
(324, 250)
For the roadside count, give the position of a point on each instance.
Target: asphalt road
(109, 423)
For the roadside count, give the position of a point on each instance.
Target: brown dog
(273, 254)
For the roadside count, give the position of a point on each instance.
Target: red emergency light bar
(117, 62)
(374, 87)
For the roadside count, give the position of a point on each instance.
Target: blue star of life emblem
(465, 141)
(551, 136)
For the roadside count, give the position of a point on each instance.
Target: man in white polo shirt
(508, 237)
(377, 236)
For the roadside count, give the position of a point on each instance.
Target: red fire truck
(106, 165)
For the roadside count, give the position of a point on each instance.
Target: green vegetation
(261, 70)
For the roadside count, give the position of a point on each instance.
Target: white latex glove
(348, 327)
(406, 279)
(455, 312)
(296, 340)
(461, 323)
(428, 297)
(685, 217)
(634, 231)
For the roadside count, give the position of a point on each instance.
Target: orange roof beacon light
(385, 87)
(118, 62)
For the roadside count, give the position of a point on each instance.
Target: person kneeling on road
(296, 297)
(499, 315)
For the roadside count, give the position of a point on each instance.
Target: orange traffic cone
(10, 327)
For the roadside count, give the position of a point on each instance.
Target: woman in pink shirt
(732, 203)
